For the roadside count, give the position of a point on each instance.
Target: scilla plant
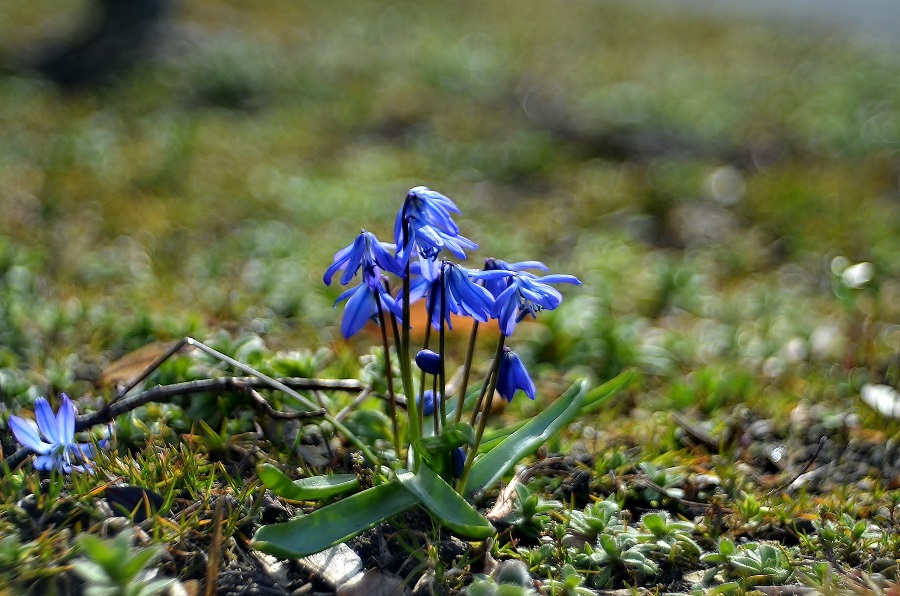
(437, 460)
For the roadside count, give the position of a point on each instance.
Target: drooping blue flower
(462, 295)
(512, 376)
(59, 451)
(496, 285)
(424, 223)
(429, 361)
(366, 253)
(527, 294)
(361, 306)
(427, 402)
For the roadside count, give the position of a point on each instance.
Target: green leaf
(655, 522)
(101, 552)
(593, 401)
(451, 510)
(489, 467)
(314, 488)
(91, 572)
(453, 435)
(597, 397)
(334, 523)
(136, 563)
(369, 424)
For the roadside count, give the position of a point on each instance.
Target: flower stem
(415, 429)
(389, 376)
(441, 343)
(486, 396)
(431, 305)
(470, 352)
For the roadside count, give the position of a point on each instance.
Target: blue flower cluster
(424, 228)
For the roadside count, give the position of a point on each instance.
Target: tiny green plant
(113, 568)
(531, 514)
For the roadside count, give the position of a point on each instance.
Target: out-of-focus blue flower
(361, 306)
(527, 294)
(512, 376)
(424, 223)
(429, 361)
(364, 252)
(427, 402)
(59, 450)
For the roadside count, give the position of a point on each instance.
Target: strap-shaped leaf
(451, 510)
(306, 489)
(489, 467)
(598, 396)
(593, 401)
(334, 523)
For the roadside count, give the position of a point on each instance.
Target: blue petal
(345, 294)
(528, 265)
(429, 239)
(26, 433)
(558, 278)
(46, 420)
(46, 462)
(388, 303)
(354, 259)
(506, 385)
(385, 259)
(522, 379)
(65, 418)
(340, 258)
(546, 296)
(357, 311)
(505, 309)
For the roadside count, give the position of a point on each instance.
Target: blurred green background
(699, 173)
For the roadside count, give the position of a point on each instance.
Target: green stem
(441, 343)
(427, 340)
(482, 423)
(415, 428)
(389, 374)
(470, 352)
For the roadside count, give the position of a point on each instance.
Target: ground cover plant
(725, 192)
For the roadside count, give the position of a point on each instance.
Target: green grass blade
(489, 467)
(451, 510)
(305, 489)
(334, 523)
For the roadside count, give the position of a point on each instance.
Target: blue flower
(429, 361)
(59, 450)
(424, 223)
(364, 252)
(427, 402)
(527, 294)
(361, 306)
(463, 295)
(497, 285)
(513, 376)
